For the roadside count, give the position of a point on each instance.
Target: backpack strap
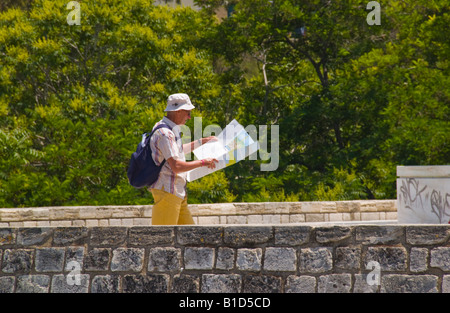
(149, 136)
(162, 125)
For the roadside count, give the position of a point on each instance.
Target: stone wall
(204, 214)
(226, 259)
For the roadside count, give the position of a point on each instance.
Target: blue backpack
(142, 170)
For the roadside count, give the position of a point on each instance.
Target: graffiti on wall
(414, 195)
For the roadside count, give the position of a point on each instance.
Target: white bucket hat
(179, 101)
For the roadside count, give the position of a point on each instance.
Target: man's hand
(209, 162)
(208, 139)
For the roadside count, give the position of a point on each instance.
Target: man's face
(184, 116)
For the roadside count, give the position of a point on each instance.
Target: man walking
(169, 191)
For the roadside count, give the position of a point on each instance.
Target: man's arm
(189, 147)
(179, 166)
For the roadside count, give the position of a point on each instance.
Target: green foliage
(349, 97)
(213, 188)
(74, 100)
(352, 101)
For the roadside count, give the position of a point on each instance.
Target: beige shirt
(165, 145)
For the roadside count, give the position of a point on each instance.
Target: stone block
(392, 216)
(291, 236)
(254, 219)
(315, 217)
(141, 221)
(17, 261)
(225, 258)
(300, 284)
(150, 283)
(247, 235)
(427, 235)
(108, 236)
(49, 259)
(65, 236)
(370, 216)
(369, 206)
(208, 220)
(79, 223)
(285, 218)
(119, 212)
(261, 284)
(7, 236)
(418, 259)
(336, 217)
(185, 284)
(249, 259)
(10, 215)
(251, 207)
(195, 235)
(347, 258)
(236, 219)
(328, 207)
(64, 213)
(112, 221)
(97, 259)
(389, 258)
(399, 283)
(445, 284)
(102, 222)
(148, 236)
(61, 284)
(277, 207)
(74, 254)
(280, 259)
(33, 284)
(198, 258)
(271, 219)
(362, 286)
(127, 259)
(106, 284)
(348, 206)
(7, 284)
(215, 209)
(164, 259)
(332, 234)
(127, 222)
(33, 235)
(334, 283)
(60, 223)
(87, 213)
(311, 207)
(297, 218)
(16, 224)
(221, 283)
(379, 234)
(440, 258)
(294, 207)
(316, 260)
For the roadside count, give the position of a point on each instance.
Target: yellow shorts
(170, 209)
